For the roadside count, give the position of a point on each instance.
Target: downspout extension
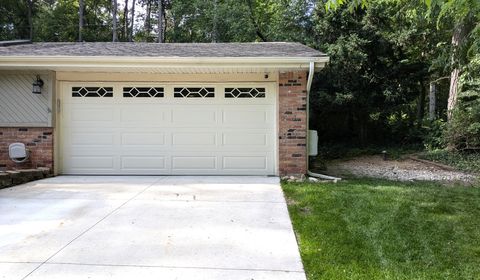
(311, 71)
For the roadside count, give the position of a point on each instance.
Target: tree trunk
(125, 21)
(80, 19)
(132, 20)
(160, 38)
(453, 92)
(215, 26)
(114, 21)
(457, 38)
(421, 104)
(432, 102)
(30, 19)
(147, 25)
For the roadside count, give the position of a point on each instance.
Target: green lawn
(375, 229)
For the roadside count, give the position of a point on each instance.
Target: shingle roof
(273, 49)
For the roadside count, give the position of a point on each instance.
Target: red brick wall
(39, 141)
(292, 123)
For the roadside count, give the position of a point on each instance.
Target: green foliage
(463, 131)
(384, 53)
(208, 21)
(468, 162)
(377, 229)
(434, 134)
(380, 60)
(14, 20)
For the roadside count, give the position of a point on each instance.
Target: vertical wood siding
(18, 106)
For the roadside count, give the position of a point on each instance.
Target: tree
(80, 19)
(254, 21)
(132, 21)
(125, 21)
(114, 21)
(30, 18)
(463, 132)
(147, 25)
(161, 12)
(209, 21)
(374, 88)
(465, 15)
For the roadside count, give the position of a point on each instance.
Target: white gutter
(52, 62)
(311, 70)
(309, 86)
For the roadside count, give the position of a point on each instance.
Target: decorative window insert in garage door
(167, 132)
(194, 92)
(143, 92)
(92, 91)
(244, 92)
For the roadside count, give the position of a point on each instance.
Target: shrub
(434, 134)
(469, 162)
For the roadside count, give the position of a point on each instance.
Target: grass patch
(469, 162)
(378, 229)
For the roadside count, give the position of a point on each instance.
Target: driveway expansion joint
(178, 267)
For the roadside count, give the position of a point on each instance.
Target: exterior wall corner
(292, 127)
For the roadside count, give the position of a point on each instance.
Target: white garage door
(123, 128)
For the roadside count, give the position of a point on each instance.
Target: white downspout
(311, 71)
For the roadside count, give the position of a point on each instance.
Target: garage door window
(92, 91)
(244, 92)
(194, 92)
(143, 92)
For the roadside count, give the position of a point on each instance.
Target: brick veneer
(292, 123)
(39, 141)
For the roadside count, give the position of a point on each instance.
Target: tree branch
(439, 79)
(254, 21)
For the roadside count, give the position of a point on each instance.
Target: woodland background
(402, 72)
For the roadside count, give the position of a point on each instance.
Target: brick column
(39, 140)
(292, 123)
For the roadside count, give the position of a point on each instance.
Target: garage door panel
(205, 117)
(194, 139)
(245, 139)
(91, 162)
(194, 162)
(88, 139)
(244, 116)
(168, 135)
(138, 114)
(92, 115)
(245, 162)
(143, 163)
(92, 151)
(143, 139)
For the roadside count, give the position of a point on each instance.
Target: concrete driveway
(147, 227)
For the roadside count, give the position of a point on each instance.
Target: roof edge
(14, 43)
(50, 62)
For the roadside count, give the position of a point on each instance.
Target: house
(146, 108)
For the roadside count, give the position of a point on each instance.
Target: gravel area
(402, 170)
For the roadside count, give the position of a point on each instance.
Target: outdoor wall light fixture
(37, 86)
